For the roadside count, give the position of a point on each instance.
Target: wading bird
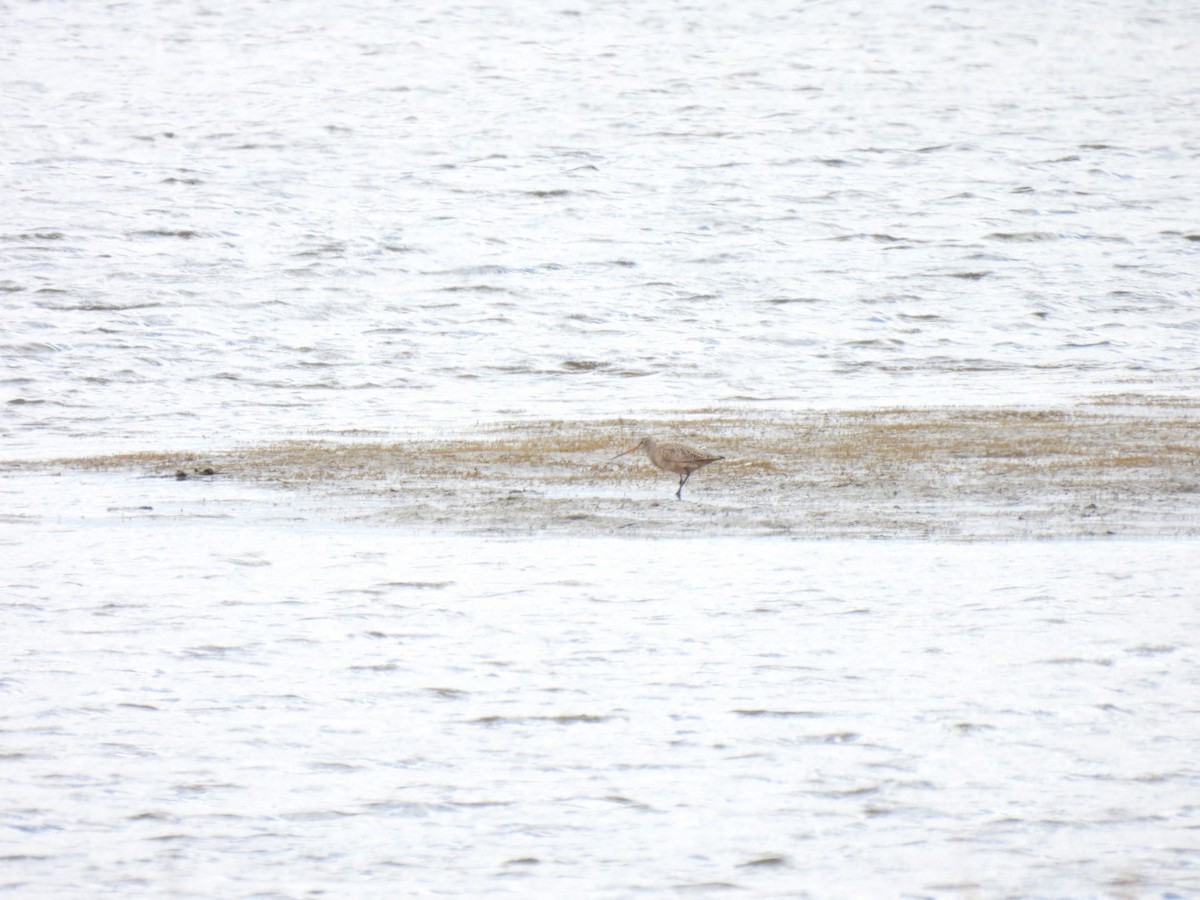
(677, 458)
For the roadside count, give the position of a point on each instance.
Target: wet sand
(950, 473)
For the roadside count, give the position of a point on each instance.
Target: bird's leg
(682, 481)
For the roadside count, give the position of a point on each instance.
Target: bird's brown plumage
(680, 459)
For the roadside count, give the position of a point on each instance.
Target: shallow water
(240, 222)
(272, 711)
(223, 225)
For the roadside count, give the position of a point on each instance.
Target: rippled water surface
(273, 711)
(224, 224)
(247, 219)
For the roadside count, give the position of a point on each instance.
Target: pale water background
(239, 220)
(227, 223)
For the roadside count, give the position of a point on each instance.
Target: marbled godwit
(677, 458)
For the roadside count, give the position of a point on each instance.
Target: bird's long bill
(627, 452)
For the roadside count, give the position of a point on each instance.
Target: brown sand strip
(906, 473)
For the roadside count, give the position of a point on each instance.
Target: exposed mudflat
(953, 473)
